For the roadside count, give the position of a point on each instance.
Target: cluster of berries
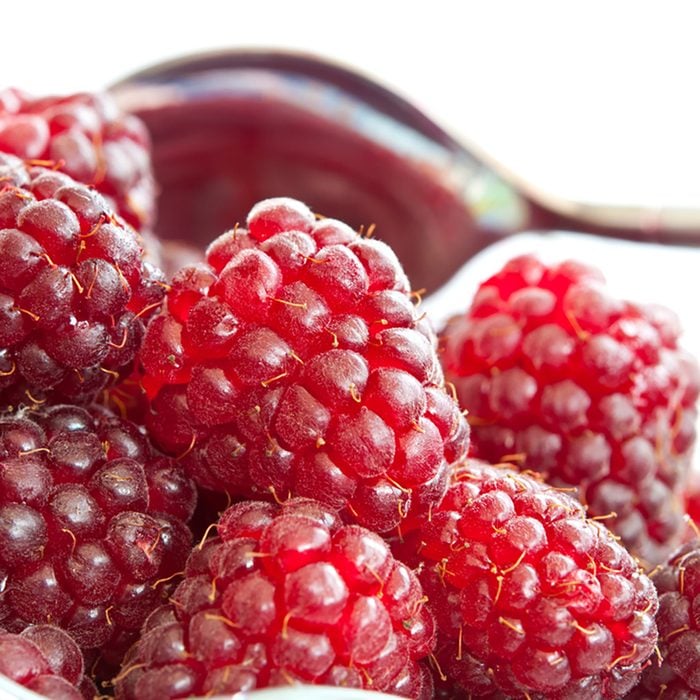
(372, 537)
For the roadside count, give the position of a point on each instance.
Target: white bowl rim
(9, 690)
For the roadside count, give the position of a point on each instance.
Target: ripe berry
(530, 597)
(91, 520)
(87, 137)
(678, 585)
(294, 362)
(45, 659)
(284, 595)
(592, 391)
(74, 290)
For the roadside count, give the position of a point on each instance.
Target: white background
(596, 101)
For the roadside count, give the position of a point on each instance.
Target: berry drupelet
(295, 362)
(74, 289)
(45, 659)
(285, 594)
(592, 391)
(91, 520)
(87, 137)
(676, 676)
(530, 598)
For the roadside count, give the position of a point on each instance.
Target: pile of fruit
(265, 467)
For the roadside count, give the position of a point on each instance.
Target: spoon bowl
(231, 128)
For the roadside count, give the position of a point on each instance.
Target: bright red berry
(592, 391)
(294, 362)
(530, 597)
(91, 521)
(45, 659)
(87, 137)
(285, 594)
(74, 290)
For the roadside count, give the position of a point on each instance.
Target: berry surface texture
(294, 362)
(92, 525)
(594, 392)
(74, 289)
(90, 139)
(531, 598)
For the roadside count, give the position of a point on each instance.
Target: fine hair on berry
(285, 594)
(87, 137)
(74, 289)
(560, 376)
(92, 525)
(295, 362)
(531, 598)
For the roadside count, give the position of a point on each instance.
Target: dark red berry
(285, 594)
(74, 289)
(295, 362)
(676, 671)
(92, 524)
(592, 391)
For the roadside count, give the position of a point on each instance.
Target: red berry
(88, 138)
(74, 290)
(590, 390)
(676, 674)
(285, 594)
(91, 520)
(294, 362)
(530, 597)
(45, 659)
